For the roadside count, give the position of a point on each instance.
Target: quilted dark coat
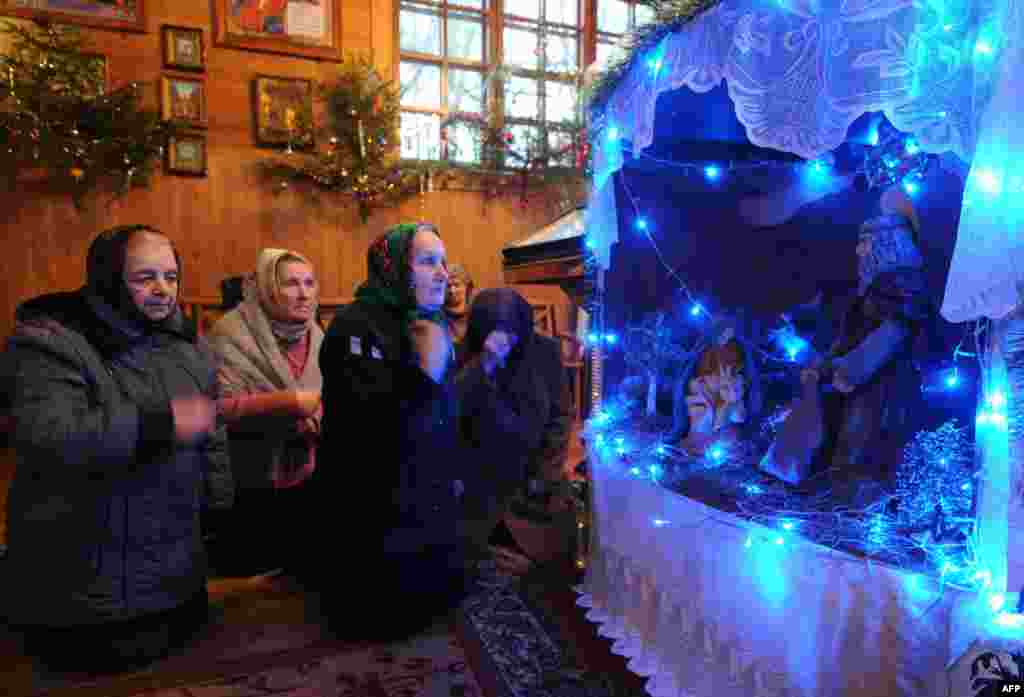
(104, 510)
(384, 489)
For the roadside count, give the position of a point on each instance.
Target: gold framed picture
(186, 155)
(283, 112)
(127, 15)
(309, 28)
(183, 99)
(183, 48)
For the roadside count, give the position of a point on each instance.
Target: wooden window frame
(495, 19)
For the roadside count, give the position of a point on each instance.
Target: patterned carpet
(430, 665)
(519, 647)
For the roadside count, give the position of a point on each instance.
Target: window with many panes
(541, 47)
(449, 48)
(445, 58)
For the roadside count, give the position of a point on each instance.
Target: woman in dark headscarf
(118, 452)
(514, 408)
(388, 481)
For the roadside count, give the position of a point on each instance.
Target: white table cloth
(703, 613)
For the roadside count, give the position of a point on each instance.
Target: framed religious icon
(183, 48)
(186, 154)
(309, 28)
(183, 98)
(110, 14)
(283, 112)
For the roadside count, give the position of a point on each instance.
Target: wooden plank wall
(221, 222)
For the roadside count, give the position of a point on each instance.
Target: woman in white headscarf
(270, 381)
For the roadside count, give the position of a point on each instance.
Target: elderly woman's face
(429, 270)
(298, 290)
(456, 299)
(151, 274)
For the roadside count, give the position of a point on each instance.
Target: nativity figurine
(718, 391)
(860, 401)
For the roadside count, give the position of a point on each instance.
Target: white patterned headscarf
(892, 247)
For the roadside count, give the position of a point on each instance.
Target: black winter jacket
(103, 513)
(389, 456)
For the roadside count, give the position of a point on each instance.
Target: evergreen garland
(669, 16)
(355, 152)
(57, 116)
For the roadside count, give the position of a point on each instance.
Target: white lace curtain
(799, 73)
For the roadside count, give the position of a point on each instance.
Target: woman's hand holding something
(497, 346)
(195, 418)
(307, 402)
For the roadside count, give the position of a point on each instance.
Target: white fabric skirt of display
(705, 603)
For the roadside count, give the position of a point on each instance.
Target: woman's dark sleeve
(59, 419)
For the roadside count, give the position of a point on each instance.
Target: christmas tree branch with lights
(355, 153)
(58, 118)
(547, 160)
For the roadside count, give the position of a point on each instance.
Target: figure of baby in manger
(718, 392)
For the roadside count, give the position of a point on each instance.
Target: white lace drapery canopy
(799, 73)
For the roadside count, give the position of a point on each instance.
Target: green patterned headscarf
(389, 267)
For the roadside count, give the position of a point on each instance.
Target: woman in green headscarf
(389, 441)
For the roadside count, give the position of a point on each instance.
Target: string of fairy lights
(774, 514)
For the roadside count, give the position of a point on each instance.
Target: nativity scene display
(768, 416)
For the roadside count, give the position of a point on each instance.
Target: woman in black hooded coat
(516, 417)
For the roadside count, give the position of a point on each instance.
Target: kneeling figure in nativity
(859, 402)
